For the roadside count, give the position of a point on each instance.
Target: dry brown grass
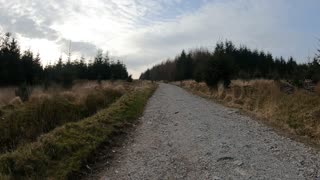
(48, 109)
(317, 88)
(6, 95)
(78, 90)
(297, 113)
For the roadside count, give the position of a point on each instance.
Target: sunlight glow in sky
(145, 32)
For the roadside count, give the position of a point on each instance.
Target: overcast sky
(144, 32)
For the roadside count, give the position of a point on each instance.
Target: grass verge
(62, 152)
(297, 113)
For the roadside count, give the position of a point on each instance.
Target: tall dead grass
(48, 109)
(297, 113)
(317, 88)
(6, 95)
(79, 90)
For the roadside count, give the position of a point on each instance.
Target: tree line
(228, 62)
(18, 67)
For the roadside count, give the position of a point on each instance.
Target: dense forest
(18, 67)
(228, 62)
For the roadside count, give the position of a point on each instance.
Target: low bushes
(60, 153)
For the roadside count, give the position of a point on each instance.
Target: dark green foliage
(219, 70)
(184, 69)
(163, 71)
(297, 83)
(10, 66)
(314, 70)
(129, 79)
(220, 66)
(23, 92)
(100, 69)
(228, 62)
(118, 70)
(17, 68)
(200, 58)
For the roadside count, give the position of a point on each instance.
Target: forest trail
(183, 136)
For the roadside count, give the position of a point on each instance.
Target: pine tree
(106, 64)
(181, 63)
(27, 64)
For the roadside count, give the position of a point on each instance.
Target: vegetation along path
(182, 136)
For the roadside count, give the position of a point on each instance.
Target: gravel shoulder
(183, 136)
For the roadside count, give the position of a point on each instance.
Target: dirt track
(182, 136)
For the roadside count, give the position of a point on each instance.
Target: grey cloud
(34, 20)
(83, 48)
(244, 22)
(135, 61)
(28, 28)
(22, 21)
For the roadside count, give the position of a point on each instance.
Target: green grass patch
(62, 152)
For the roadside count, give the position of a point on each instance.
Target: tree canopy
(228, 62)
(18, 67)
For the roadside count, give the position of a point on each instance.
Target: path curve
(183, 136)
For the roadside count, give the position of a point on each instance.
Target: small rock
(116, 171)
(241, 172)
(216, 178)
(238, 163)
(232, 111)
(88, 167)
(225, 158)
(311, 171)
(274, 147)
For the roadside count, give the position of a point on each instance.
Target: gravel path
(182, 136)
